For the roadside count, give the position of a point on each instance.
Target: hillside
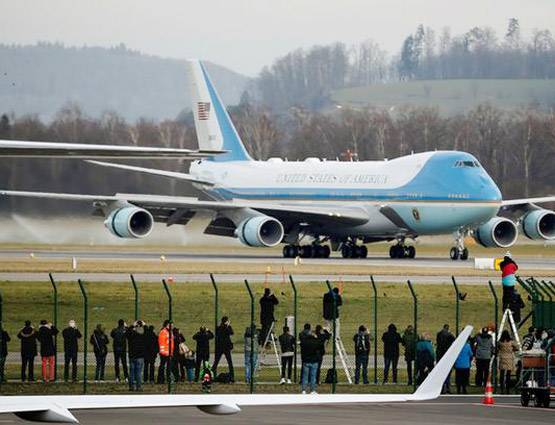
(451, 96)
(42, 78)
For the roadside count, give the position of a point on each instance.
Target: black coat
(136, 342)
(151, 346)
(99, 341)
(119, 339)
(71, 340)
(267, 305)
(28, 337)
(444, 339)
(328, 305)
(322, 338)
(4, 344)
(362, 343)
(310, 349)
(223, 338)
(391, 340)
(203, 343)
(46, 338)
(287, 343)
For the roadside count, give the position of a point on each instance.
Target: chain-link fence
(385, 310)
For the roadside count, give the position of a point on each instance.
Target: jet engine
(539, 224)
(129, 222)
(498, 232)
(260, 231)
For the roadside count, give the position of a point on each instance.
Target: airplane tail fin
(431, 387)
(215, 131)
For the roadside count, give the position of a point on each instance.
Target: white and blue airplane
(312, 206)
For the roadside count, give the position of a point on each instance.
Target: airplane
(57, 408)
(312, 206)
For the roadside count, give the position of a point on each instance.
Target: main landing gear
(351, 250)
(459, 252)
(306, 251)
(401, 251)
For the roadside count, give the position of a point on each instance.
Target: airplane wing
(30, 149)
(58, 408)
(155, 172)
(164, 206)
(525, 201)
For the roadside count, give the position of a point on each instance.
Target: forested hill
(42, 78)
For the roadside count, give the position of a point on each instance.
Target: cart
(537, 377)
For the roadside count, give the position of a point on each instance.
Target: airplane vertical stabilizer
(215, 131)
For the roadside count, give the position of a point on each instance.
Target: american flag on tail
(203, 110)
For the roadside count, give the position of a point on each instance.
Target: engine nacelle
(260, 231)
(539, 224)
(498, 232)
(130, 222)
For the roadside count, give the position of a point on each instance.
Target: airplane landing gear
(351, 250)
(459, 252)
(306, 251)
(401, 251)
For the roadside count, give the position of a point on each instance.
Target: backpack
(223, 378)
(361, 345)
(331, 376)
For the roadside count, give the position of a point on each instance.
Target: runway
(452, 410)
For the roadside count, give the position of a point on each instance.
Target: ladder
(507, 317)
(343, 357)
(270, 338)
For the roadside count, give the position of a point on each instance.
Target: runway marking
(516, 406)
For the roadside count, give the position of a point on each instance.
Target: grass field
(451, 96)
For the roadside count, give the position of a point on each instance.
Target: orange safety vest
(165, 342)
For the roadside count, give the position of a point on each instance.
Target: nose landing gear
(459, 252)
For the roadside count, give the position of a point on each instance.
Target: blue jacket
(464, 361)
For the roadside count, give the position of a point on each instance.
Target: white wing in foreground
(57, 408)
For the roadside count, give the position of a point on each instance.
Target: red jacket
(510, 268)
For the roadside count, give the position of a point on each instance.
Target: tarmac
(452, 410)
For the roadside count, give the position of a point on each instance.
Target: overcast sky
(245, 35)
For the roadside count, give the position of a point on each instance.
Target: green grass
(451, 96)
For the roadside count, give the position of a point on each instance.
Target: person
(287, 346)
(99, 341)
(189, 363)
(250, 339)
(425, 358)
(151, 352)
(119, 346)
(4, 339)
(323, 337)
(528, 339)
(506, 356)
(444, 339)
(202, 337)
(408, 340)
(516, 305)
(310, 346)
(267, 305)
(328, 312)
(166, 346)
(305, 333)
(180, 348)
(28, 337)
(484, 350)
(462, 368)
(71, 337)
(224, 346)
(46, 333)
(508, 279)
(362, 353)
(391, 340)
(136, 341)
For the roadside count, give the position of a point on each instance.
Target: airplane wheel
(411, 252)
(326, 251)
(306, 251)
(286, 251)
(346, 251)
(363, 251)
(355, 252)
(393, 251)
(464, 254)
(454, 254)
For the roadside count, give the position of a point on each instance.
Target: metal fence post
(136, 291)
(457, 305)
(85, 332)
(216, 301)
(253, 335)
(170, 335)
(375, 328)
(415, 320)
(55, 294)
(496, 321)
(334, 336)
(294, 327)
(2, 331)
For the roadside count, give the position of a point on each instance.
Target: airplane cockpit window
(467, 164)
